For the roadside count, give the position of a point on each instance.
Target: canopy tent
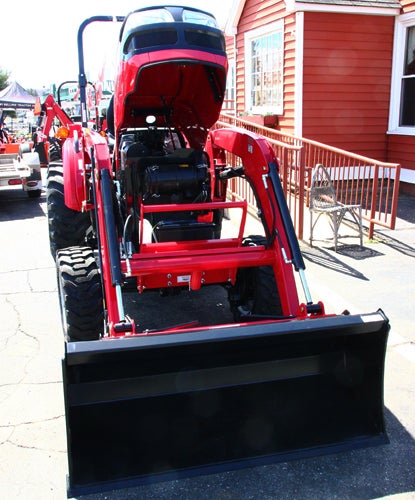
(14, 96)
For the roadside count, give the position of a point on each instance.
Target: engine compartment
(156, 169)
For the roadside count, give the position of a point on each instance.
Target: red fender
(73, 154)
(73, 169)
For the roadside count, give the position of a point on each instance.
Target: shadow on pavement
(330, 261)
(362, 474)
(207, 306)
(397, 245)
(357, 252)
(16, 205)
(404, 230)
(406, 208)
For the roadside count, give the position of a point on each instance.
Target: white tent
(14, 96)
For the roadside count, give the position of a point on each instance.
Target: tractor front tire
(80, 294)
(67, 227)
(255, 291)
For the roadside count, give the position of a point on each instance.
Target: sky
(39, 39)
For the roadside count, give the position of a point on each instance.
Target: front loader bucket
(159, 407)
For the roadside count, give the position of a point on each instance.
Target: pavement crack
(403, 344)
(31, 422)
(30, 269)
(36, 384)
(37, 448)
(405, 348)
(13, 427)
(24, 370)
(19, 328)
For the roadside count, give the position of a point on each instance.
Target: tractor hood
(172, 66)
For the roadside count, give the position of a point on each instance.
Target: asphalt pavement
(33, 461)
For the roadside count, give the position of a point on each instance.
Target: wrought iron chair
(323, 200)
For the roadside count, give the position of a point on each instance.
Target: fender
(75, 157)
(74, 169)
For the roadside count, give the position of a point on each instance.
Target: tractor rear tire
(55, 150)
(255, 291)
(80, 294)
(67, 227)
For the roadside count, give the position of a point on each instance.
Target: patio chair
(323, 200)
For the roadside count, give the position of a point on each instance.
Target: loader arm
(260, 169)
(49, 112)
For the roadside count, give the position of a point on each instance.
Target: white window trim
(299, 74)
(231, 83)
(249, 36)
(232, 76)
(401, 24)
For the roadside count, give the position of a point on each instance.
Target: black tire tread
(67, 227)
(55, 150)
(255, 289)
(80, 294)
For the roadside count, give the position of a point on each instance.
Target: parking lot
(33, 462)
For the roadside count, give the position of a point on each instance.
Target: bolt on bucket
(159, 407)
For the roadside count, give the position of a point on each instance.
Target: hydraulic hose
(110, 228)
(297, 258)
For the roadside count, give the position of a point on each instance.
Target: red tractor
(18, 165)
(150, 398)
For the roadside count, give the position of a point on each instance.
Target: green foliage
(32, 92)
(4, 76)
(9, 112)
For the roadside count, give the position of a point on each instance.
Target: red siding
(229, 47)
(347, 64)
(346, 81)
(401, 149)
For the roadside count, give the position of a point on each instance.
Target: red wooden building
(335, 71)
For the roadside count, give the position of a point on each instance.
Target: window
(407, 116)
(264, 69)
(196, 17)
(402, 109)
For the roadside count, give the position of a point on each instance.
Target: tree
(4, 76)
(32, 92)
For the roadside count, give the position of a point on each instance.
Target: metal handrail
(358, 179)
